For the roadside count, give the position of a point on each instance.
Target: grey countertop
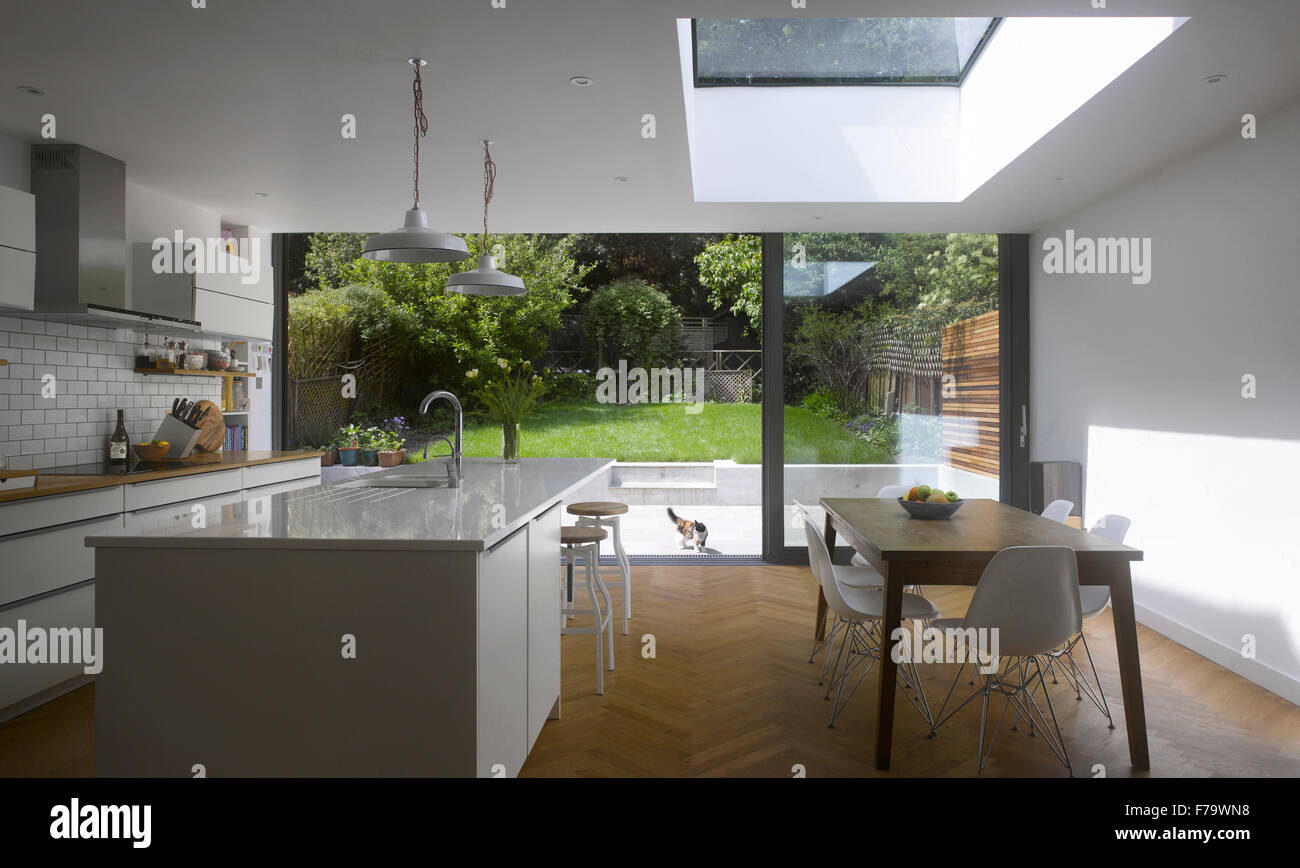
(493, 501)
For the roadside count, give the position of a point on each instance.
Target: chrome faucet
(455, 456)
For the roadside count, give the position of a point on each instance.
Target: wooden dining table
(954, 551)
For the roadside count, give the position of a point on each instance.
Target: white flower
(505, 366)
(471, 373)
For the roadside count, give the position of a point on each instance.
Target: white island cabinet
(339, 630)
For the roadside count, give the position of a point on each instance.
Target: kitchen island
(353, 629)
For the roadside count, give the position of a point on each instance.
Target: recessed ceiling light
(30, 90)
(1214, 79)
(262, 195)
(622, 178)
(580, 81)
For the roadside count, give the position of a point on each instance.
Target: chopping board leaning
(213, 427)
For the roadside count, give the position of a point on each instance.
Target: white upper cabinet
(234, 302)
(230, 316)
(17, 249)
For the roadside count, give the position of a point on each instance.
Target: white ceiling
(215, 104)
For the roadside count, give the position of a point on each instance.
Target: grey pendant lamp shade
(486, 279)
(415, 242)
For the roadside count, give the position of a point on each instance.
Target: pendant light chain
(489, 188)
(421, 127)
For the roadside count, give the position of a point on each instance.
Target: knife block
(181, 436)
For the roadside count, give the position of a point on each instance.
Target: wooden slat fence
(970, 403)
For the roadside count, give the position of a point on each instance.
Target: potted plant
(348, 440)
(369, 443)
(390, 440)
(509, 394)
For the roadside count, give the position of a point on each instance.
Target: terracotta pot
(328, 459)
(392, 459)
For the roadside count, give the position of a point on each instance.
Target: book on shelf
(236, 438)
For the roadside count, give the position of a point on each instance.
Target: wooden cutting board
(213, 428)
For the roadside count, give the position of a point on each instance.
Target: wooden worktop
(53, 484)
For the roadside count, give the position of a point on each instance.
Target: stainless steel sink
(409, 481)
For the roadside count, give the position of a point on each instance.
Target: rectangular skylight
(757, 52)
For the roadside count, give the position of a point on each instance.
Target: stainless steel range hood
(81, 240)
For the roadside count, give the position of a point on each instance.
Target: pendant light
(415, 241)
(486, 279)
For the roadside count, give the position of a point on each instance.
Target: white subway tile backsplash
(93, 378)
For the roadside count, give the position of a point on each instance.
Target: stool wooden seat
(580, 535)
(605, 513)
(598, 508)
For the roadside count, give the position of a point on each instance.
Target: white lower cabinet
(43, 550)
(46, 560)
(197, 486)
(71, 609)
(502, 639)
(543, 620)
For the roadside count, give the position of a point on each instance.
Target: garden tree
(631, 320)
(458, 332)
(327, 253)
(835, 345)
(732, 269)
(937, 269)
(966, 270)
(662, 259)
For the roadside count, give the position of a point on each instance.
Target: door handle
(1024, 425)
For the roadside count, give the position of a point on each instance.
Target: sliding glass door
(891, 355)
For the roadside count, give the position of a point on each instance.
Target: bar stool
(584, 542)
(605, 513)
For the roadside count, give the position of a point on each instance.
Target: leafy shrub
(334, 325)
(630, 319)
(824, 403)
(573, 386)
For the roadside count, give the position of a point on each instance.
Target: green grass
(666, 432)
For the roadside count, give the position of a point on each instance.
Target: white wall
(1143, 383)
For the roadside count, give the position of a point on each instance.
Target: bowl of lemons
(925, 502)
(155, 450)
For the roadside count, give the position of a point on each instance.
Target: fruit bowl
(152, 451)
(927, 510)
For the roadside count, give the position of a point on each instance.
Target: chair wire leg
(844, 641)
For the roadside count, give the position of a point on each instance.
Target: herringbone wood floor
(730, 692)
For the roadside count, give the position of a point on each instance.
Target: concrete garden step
(663, 475)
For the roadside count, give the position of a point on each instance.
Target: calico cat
(689, 533)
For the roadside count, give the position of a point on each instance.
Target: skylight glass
(731, 52)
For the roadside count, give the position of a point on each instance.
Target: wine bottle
(118, 442)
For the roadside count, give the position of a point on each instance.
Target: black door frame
(1013, 368)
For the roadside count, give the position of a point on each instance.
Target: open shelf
(181, 372)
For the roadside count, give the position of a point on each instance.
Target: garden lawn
(666, 432)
